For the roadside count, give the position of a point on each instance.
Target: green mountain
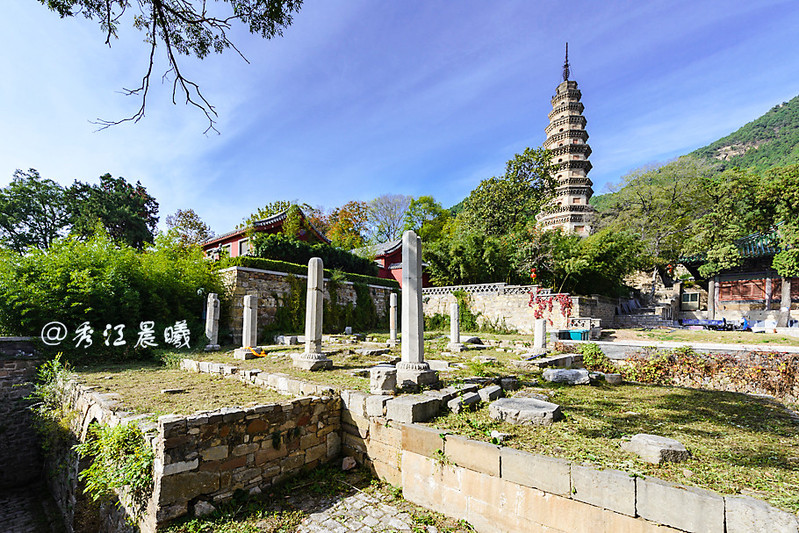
(769, 141)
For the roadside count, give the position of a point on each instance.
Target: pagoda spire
(566, 64)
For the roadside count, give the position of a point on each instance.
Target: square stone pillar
(711, 299)
(313, 358)
(785, 304)
(454, 328)
(540, 334)
(412, 371)
(212, 322)
(392, 319)
(249, 330)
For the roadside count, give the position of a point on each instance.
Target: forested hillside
(771, 140)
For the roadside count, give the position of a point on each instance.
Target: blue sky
(362, 98)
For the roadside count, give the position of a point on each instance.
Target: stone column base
(311, 361)
(415, 375)
(456, 347)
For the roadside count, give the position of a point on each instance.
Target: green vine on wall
(51, 416)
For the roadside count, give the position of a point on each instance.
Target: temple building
(567, 139)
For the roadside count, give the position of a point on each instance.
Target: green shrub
(595, 359)
(51, 417)
(121, 458)
(102, 283)
(283, 248)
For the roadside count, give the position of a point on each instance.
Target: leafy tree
(662, 205)
(348, 224)
(181, 28)
(189, 226)
(499, 204)
(100, 281)
(386, 217)
(427, 218)
(266, 211)
(128, 213)
(33, 212)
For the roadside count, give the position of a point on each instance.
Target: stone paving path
(27, 510)
(359, 513)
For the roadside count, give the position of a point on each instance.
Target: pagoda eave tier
(575, 182)
(571, 149)
(563, 135)
(571, 94)
(577, 120)
(571, 208)
(573, 164)
(564, 219)
(587, 192)
(577, 107)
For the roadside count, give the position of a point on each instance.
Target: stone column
(785, 304)
(249, 329)
(711, 299)
(412, 369)
(769, 291)
(212, 322)
(392, 319)
(313, 358)
(540, 334)
(455, 328)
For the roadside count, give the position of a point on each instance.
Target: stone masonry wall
(508, 305)
(501, 490)
(207, 456)
(20, 462)
(271, 287)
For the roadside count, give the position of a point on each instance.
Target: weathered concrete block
(537, 471)
(460, 403)
(568, 376)
(490, 393)
(472, 454)
(656, 449)
(613, 379)
(687, 508)
(610, 489)
(744, 514)
(422, 439)
(527, 411)
(438, 365)
(412, 408)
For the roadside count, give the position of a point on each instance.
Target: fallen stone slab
(525, 411)
(490, 393)
(568, 376)
(412, 408)
(461, 403)
(471, 340)
(509, 383)
(656, 449)
(613, 379)
(438, 364)
(286, 340)
(372, 351)
(247, 353)
(484, 359)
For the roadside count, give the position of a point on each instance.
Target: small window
(576, 200)
(690, 301)
(244, 247)
(226, 250)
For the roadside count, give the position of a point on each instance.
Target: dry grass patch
(687, 335)
(740, 444)
(139, 386)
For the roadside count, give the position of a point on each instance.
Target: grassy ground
(685, 335)
(740, 444)
(282, 509)
(140, 384)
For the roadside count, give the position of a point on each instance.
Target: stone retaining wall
(499, 489)
(207, 456)
(508, 305)
(20, 462)
(272, 287)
